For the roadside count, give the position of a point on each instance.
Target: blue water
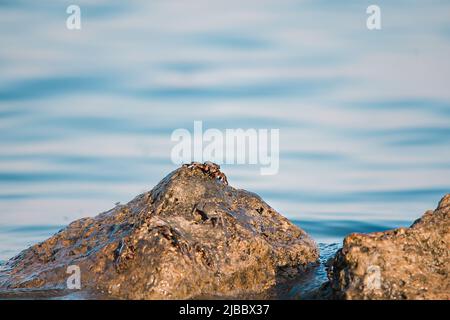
(86, 116)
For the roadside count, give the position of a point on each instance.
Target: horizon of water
(86, 116)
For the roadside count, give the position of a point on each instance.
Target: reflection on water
(86, 116)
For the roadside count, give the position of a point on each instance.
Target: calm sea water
(86, 116)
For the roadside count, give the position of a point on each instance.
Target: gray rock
(191, 236)
(405, 263)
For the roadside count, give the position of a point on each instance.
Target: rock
(191, 236)
(405, 263)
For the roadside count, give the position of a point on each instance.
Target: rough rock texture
(191, 236)
(405, 263)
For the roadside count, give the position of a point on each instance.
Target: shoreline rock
(404, 263)
(193, 236)
(190, 236)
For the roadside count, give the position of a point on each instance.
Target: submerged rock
(405, 263)
(191, 236)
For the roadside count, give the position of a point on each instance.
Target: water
(86, 116)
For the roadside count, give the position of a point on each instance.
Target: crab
(210, 168)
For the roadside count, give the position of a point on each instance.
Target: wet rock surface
(405, 263)
(191, 236)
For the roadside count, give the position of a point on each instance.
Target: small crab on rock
(210, 168)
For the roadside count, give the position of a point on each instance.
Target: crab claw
(212, 164)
